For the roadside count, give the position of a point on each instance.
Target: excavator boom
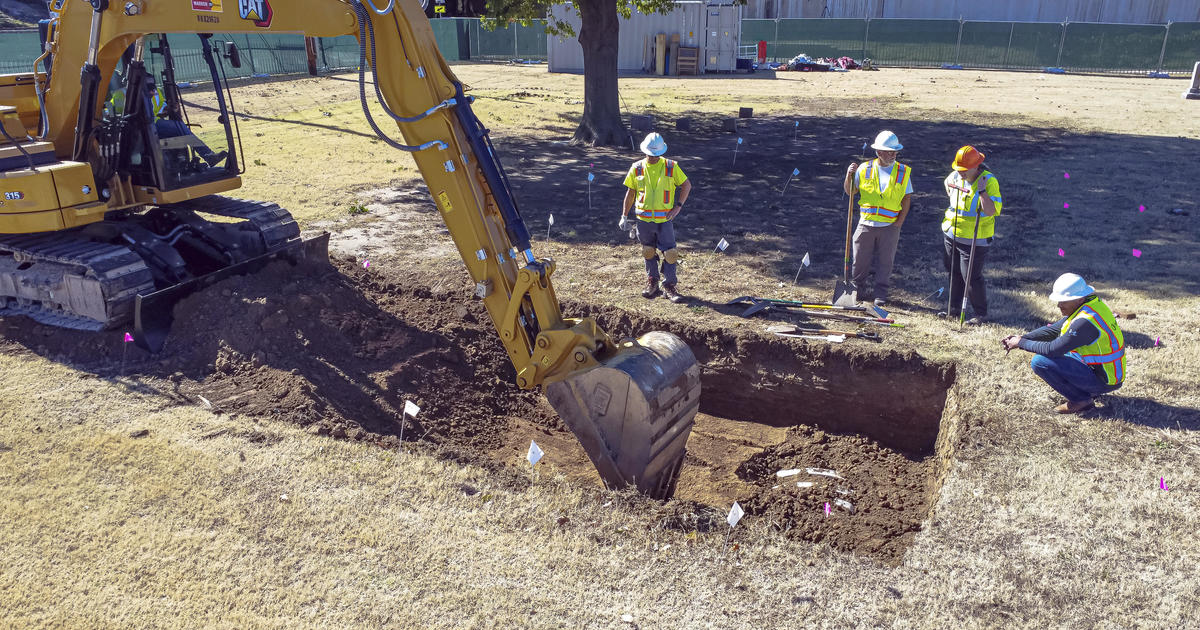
(630, 402)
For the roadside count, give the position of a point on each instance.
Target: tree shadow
(775, 218)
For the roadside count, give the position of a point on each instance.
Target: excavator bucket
(634, 412)
(153, 313)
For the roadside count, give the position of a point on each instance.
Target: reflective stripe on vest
(884, 206)
(668, 193)
(1108, 351)
(962, 220)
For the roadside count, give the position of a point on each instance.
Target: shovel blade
(845, 294)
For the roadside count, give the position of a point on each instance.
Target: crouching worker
(1081, 355)
(659, 188)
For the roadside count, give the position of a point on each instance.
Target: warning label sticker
(207, 5)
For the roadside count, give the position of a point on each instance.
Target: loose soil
(341, 350)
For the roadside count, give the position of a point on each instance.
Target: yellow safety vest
(965, 205)
(883, 206)
(654, 198)
(116, 103)
(1107, 351)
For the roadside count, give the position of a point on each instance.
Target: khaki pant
(875, 248)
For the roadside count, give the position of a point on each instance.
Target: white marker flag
(411, 408)
(551, 219)
(722, 244)
(535, 453)
(805, 261)
(735, 515)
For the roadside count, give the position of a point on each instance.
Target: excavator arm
(631, 402)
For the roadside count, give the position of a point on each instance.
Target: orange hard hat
(967, 158)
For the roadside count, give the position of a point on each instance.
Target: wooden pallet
(689, 60)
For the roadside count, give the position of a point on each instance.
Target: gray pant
(875, 247)
(654, 237)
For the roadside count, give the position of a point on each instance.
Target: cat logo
(257, 11)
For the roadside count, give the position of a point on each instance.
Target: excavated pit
(340, 354)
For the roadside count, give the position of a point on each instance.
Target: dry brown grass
(1043, 521)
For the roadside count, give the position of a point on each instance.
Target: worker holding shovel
(968, 230)
(884, 186)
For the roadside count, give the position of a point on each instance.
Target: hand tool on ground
(962, 313)
(750, 299)
(844, 291)
(788, 329)
(850, 318)
(832, 338)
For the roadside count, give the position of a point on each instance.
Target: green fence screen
(1079, 46)
(1076, 46)
(459, 39)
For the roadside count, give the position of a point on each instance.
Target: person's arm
(630, 196)
(1081, 333)
(989, 198)
(904, 204)
(681, 195)
(851, 183)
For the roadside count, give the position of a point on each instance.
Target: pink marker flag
(1061, 252)
(1141, 208)
(1156, 339)
(128, 337)
(366, 264)
(1066, 205)
(827, 511)
(1137, 253)
(1066, 176)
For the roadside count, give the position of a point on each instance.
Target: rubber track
(121, 272)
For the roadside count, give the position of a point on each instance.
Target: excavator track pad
(634, 412)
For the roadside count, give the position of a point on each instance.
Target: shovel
(844, 292)
(788, 330)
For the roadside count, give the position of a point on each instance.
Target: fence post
(958, 44)
(1162, 53)
(866, 36)
(775, 42)
(1012, 26)
(513, 26)
(1062, 41)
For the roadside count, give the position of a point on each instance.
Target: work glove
(623, 225)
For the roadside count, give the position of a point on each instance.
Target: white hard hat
(887, 141)
(1070, 286)
(654, 145)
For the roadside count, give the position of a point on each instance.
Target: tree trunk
(601, 123)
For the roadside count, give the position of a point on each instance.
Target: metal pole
(1011, 27)
(866, 35)
(1061, 42)
(775, 42)
(513, 26)
(1162, 53)
(958, 45)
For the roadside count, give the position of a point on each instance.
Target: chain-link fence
(1077, 46)
(459, 39)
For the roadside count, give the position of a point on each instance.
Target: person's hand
(674, 212)
(623, 225)
(850, 170)
(1010, 342)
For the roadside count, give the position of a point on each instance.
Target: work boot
(651, 290)
(214, 159)
(1076, 407)
(671, 293)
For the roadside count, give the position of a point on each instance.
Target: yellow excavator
(112, 207)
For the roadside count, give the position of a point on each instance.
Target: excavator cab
(160, 140)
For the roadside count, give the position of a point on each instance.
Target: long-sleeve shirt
(1048, 342)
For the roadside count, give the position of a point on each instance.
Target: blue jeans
(1070, 377)
(660, 236)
